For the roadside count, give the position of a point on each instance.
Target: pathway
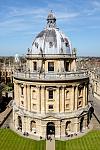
(50, 145)
(96, 116)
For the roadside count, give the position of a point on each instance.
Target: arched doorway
(19, 123)
(50, 128)
(81, 124)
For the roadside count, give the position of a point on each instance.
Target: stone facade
(51, 97)
(95, 82)
(6, 73)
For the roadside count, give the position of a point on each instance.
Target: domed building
(51, 96)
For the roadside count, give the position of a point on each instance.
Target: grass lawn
(9, 140)
(90, 141)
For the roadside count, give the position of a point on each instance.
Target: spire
(51, 20)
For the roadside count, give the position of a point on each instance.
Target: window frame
(22, 91)
(51, 66)
(67, 66)
(50, 95)
(50, 107)
(35, 66)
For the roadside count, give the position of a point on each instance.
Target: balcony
(46, 56)
(50, 76)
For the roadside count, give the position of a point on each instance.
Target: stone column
(63, 99)
(86, 92)
(38, 98)
(72, 99)
(57, 98)
(62, 128)
(57, 129)
(18, 94)
(43, 106)
(76, 97)
(15, 96)
(84, 96)
(62, 68)
(76, 125)
(29, 97)
(23, 123)
(16, 89)
(25, 96)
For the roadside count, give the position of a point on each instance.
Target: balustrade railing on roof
(50, 75)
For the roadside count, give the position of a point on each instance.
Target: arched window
(33, 126)
(19, 123)
(67, 127)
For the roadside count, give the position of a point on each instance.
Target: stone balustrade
(51, 76)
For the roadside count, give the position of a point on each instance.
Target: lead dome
(51, 40)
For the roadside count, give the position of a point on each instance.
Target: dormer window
(50, 66)
(34, 66)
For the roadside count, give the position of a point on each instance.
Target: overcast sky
(22, 20)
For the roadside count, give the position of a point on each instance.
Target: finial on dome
(51, 20)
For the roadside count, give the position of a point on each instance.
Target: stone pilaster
(72, 99)
(58, 99)
(19, 94)
(63, 99)
(76, 97)
(29, 97)
(25, 96)
(86, 100)
(84, 95)
(43, 102)
(38, 99)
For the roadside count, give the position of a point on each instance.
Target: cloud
(96, 4)
(66, 15)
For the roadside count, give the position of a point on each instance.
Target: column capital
(38, 86)
(43, 86)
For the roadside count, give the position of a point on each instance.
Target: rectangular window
(80, 92)
(34, 106)
(66, 66)
(22, 90)
(50, 107)
(33, 94)
(50, 94)
(50, 66)
(34, 66)
(67, 106)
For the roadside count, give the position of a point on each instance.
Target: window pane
(34, 65)
(50, 106)
(50, 66)
(66, 66)
(51, 94)
(22, 90)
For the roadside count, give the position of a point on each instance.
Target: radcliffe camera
(49, 93)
